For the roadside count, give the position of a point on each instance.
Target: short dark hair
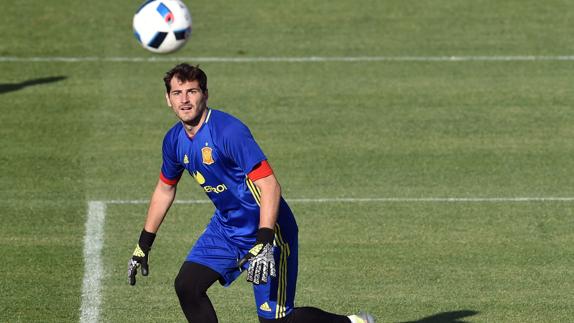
(185, 72)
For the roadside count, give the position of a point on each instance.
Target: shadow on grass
(11, 87)
(446, 317)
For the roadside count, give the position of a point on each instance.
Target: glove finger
(250, 272)
(144, 267)
(272, 271)
(264, 272)
(257, 275)
(132, 271)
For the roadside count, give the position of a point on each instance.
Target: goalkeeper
(252, 228)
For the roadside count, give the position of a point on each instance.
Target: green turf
(83, 131)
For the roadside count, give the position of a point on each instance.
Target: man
(252, 229)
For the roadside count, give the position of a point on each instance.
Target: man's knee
(192, 282)
(187, 289)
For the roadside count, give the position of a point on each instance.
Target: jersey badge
(206, 156)
(185, 159)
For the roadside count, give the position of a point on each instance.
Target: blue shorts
(275, 299)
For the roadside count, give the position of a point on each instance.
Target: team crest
(185, 159)
(206, 156)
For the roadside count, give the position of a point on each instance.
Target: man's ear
(167, 99)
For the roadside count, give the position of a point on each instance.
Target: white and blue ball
(162, 26)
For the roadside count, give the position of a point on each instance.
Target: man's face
(187, 101)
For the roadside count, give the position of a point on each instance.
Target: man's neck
(192, 129)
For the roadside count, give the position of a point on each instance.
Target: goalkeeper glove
(260, 257)
(140, 256)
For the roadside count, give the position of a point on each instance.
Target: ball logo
(165, 13)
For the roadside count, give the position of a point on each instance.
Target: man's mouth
(186, 107)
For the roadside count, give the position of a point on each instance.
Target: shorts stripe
(280, 310)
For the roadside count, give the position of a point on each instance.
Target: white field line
(295, 59)
(380, 199)
(93, 266)
(94, 236)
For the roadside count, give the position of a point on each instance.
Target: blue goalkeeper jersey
(219, 157)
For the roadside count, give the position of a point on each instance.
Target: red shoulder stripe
(167, 180)
(262, 170)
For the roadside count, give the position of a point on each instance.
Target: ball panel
(157, 40)
(182, 34)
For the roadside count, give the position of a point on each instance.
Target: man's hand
(140, 257)
(260, 257)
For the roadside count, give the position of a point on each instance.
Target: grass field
(475, 134)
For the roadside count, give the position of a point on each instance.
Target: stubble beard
(194, 121)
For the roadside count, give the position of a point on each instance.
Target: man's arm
(161, 201)
(270, 197)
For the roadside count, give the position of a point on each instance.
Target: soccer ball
(162, 26)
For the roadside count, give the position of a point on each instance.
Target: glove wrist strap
(146, 240)
(265, 235)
